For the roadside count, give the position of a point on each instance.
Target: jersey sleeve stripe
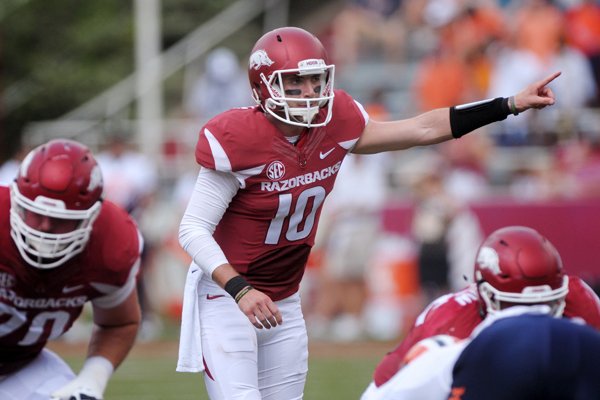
(241, 176)
(362, 111)
(222, 162)
(348, 144)
(114, 296)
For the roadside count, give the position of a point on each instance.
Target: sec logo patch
(275, 170)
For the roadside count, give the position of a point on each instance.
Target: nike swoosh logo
(69, 289)
(216, 296)
(323, 155)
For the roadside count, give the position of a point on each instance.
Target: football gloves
(89, 384)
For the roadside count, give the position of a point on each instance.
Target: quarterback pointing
(252, 217)
(60, 247)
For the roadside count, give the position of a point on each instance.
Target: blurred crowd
(364, 281)
(454, 52)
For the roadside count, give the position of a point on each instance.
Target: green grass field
(335, 372)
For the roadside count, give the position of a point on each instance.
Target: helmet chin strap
(44, 247)
(305, 115)
(298, 116)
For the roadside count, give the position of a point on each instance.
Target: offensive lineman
(515, 265)
(251, 220)
(518, 353)
(60, 247)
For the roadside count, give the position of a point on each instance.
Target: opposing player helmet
(517, 265)
(291, 51)
(54, 202)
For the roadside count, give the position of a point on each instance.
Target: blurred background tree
(56, 55)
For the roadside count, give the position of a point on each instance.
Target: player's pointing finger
(549, 79)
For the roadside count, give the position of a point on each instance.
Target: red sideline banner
(573, 226)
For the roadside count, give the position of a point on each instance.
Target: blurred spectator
(130, 177)
(376, 107)
(532, 182)
(131, 181)
(465, 28)
(446, 231)
(511, 68)
(350, 228)
(573, 173)
(577, 91)
(458, 70)
(350, 231)
(441, 75)
(538, 27)
(441, 80)
(368, 29)
(465, 176)
(582, 26)
(579, 163)
(535, 32)
(222, 85)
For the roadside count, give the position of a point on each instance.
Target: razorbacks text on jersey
(38, 305)
(269, 227)
(457, 314)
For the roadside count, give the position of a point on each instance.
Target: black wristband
(465, 118)
(235, 285)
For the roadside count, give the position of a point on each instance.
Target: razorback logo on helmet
(488, 259)
(260, 58)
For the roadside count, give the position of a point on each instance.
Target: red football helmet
(59, 185)
(290, 51)
(517, 265)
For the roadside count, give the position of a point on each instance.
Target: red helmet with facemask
(517, 265)
(291, 51)
(59, 182)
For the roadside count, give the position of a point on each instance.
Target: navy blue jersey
(530, 357)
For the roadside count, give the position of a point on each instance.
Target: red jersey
(457, 314)
(38, 305)
(269, 227)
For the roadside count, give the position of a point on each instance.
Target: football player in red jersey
(251, 220)
(515, 265)
(60, 247)
(519, 352)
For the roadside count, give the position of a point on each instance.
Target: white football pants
(38, 379)
(246, 363)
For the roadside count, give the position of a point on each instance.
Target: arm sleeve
(211, 197)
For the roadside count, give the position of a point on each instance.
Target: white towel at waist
(190, 340)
